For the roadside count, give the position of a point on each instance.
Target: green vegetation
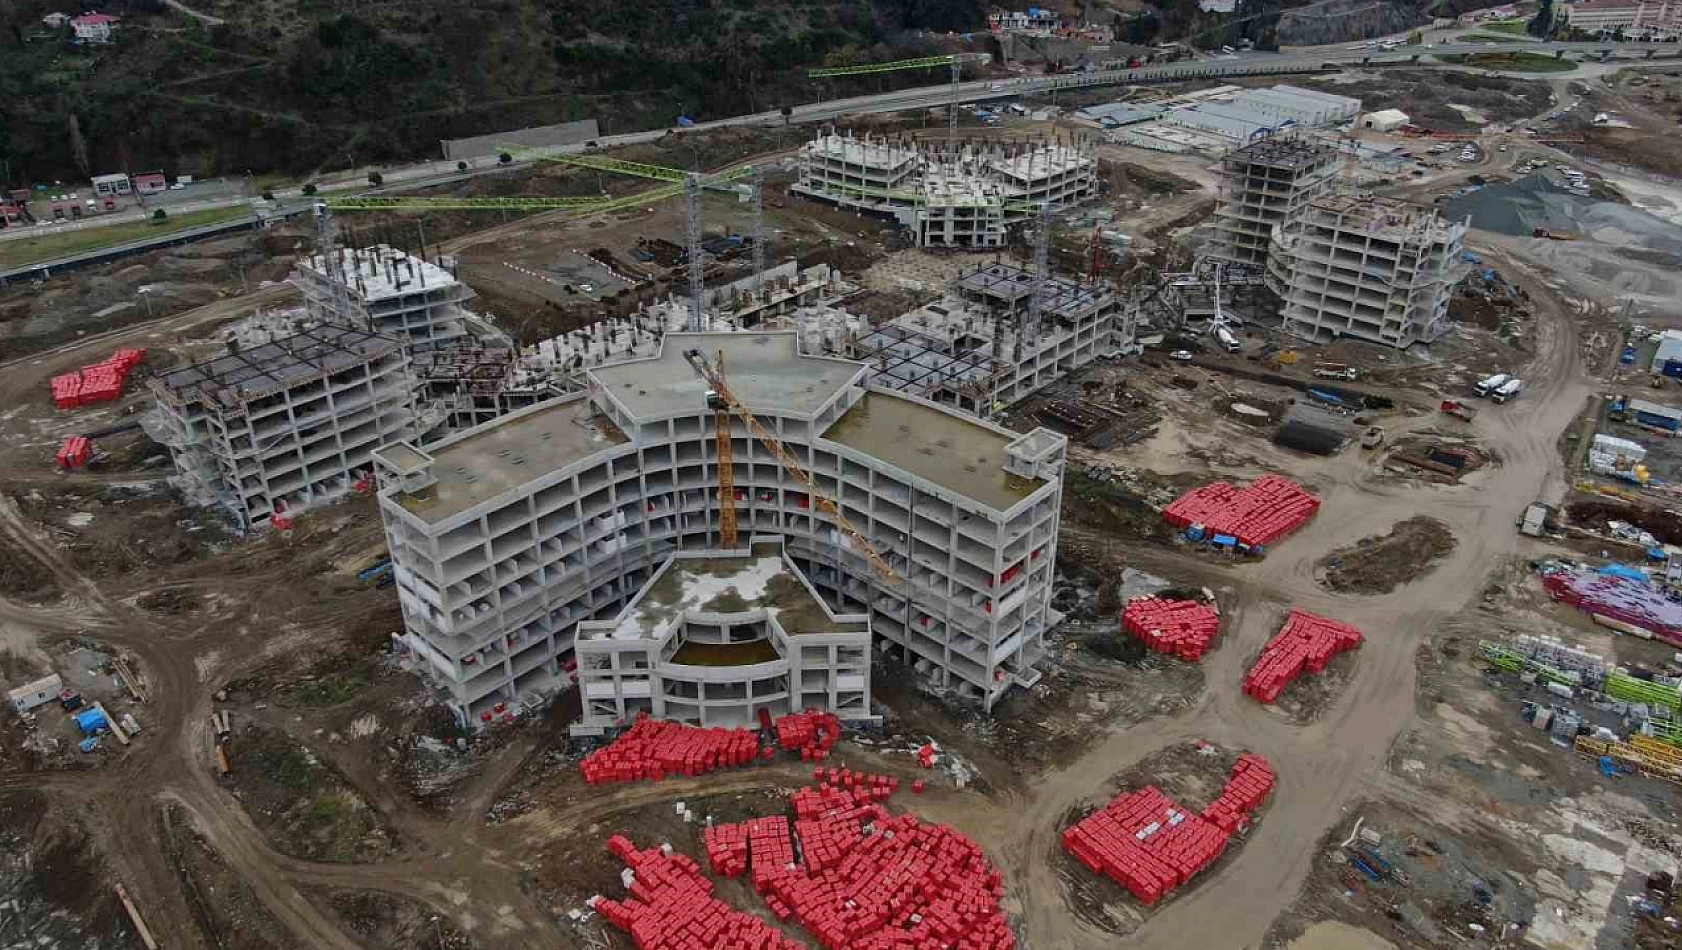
(1496, 38)
(1515, 27)
(295, 86)
(1514, 62)
(62, 241)
(333, 689)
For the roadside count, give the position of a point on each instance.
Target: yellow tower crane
(720, 398)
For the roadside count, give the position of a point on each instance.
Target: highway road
(1291, 60)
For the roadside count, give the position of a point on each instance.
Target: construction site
(898, 530)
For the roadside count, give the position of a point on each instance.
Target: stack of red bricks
(1304, 645)
(1149, 844)
(868, 879)
(1248, 786)
(1257, 515)
(76, 452)
(671, 907)
(811, 733)
(655, 748)
(1182, 628)
(100, 382)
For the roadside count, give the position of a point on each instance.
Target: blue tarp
(91, 721)
(1624, 571)
(1224, 540)
(1657, 554)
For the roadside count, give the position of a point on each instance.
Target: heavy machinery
(955, 60)
(720, 398)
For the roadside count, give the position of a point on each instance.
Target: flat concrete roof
(728, 584)
(765, 371)
(942, 447)
(509, 452)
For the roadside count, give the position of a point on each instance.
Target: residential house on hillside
(94, 27)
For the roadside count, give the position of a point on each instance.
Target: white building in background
(507, 536)
(964, 198)
(1635, 18)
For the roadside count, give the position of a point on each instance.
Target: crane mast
(721, 395)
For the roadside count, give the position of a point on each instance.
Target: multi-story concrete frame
(965, 198)
(1264, 184)
(505, 536)
(714, 637)
(1369, 267)
(286, 424)
(389, 291)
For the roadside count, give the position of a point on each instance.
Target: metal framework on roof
(244, 375)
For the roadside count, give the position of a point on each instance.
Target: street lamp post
(438, 929)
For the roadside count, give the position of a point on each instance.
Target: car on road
(997, 87)
(1183, 356)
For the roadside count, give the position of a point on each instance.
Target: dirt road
(473, 872)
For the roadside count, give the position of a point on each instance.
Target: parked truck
(1227, 340)
(1534, 521)
(1489, 385)
(1508, 391)
(1336, 371)
(1459, 410)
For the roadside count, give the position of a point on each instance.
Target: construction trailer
(506, 536)
(284, 425)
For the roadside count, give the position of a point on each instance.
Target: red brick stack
(76, 452)
(1304, 645)
(654, 748)
(99, 382)
(1151, 845)
(1257, 515)
(671, 907)
(1182, 628)
(810, 733)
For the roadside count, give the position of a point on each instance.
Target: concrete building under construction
(1374, 268)
(976, 349)
(507, 536)
(389, 291)
(281, 426)
(1264, 184)
(961, 197)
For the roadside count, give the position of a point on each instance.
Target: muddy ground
(1428, 96)
(303, 805)
(110, 531)
(56, 885)
(224, 905)
(383, 921)
(1381, 563)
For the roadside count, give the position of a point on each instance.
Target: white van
(1509, 390)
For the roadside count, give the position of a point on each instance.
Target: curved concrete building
(507, 536)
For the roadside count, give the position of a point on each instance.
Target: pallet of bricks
(811, 733)
(864, 878)
(655, 748)
(1255, 516)
(99, 382)
(1182, 628)
(1151, 845)
(1304, 645)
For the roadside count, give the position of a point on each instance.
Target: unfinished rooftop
(1386, 218)
(248, 374)
(1288, 152)
(942, 447)
(381, 272)
(766, 371)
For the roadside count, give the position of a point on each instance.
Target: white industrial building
(278, 427)
(506, 536)
(1223, 118)
(389, 291)
(1374, 268)
(962, 198)
(1384, 120)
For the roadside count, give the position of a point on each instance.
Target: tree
(78, 145)
(1141, 30)
(461, 166)
(376, 179)
(505, 159)
(1542, 24)
(309, 190)
(268, 195)
(159, 216)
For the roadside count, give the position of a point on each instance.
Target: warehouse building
(506, 536)
(1374, 268)
(276, 428)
